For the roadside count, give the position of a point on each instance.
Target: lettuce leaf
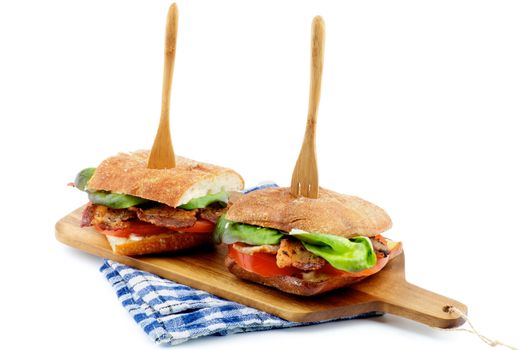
(115, 200)
(111, 200)
(82, 178)
(203, 202)
(229, 232)
(350, 255)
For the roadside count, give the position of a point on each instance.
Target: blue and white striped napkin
(172, 313)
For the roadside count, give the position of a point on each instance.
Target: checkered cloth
(172, 313)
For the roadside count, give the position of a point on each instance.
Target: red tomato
(201, 226)
(263, 264)
(140, 228)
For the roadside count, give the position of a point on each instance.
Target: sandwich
(302, 245)
(144, 211)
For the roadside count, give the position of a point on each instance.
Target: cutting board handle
(418, 304)
(398, 297)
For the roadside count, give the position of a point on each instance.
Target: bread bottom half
(165, 242)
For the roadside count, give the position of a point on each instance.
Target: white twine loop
(452, 309)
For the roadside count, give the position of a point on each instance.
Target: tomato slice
(263, 264)
(201, 226)
(140, 228)
(137, 228)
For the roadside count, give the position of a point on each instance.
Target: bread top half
(128, 173)
(331, 213)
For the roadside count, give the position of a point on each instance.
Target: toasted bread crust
(331, 213)
(290, 284)
(128, 173)
(166, 242)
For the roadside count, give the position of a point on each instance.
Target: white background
(423, 111)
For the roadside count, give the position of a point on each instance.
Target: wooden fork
(305, 179)
(161, 154)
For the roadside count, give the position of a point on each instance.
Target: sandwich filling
(130, 217)
(309, 256)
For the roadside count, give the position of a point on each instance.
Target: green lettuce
(350, 255)
(115, 200)
(205, 201)
(111, 200)
(81, 180)
(229, 232)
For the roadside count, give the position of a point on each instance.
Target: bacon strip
(163, 216)
(106, 218)
(87, 215)
(112, 219)
(252, 249)
(169, 217)
(212, 214)
(380, 246)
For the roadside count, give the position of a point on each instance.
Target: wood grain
(162, 154)
(305, 177)
(387, 291)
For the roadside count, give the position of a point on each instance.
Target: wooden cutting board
(386, 291)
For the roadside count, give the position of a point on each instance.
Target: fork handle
(318, 42)
(162, 154)
(171, 33)
(305, 178)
